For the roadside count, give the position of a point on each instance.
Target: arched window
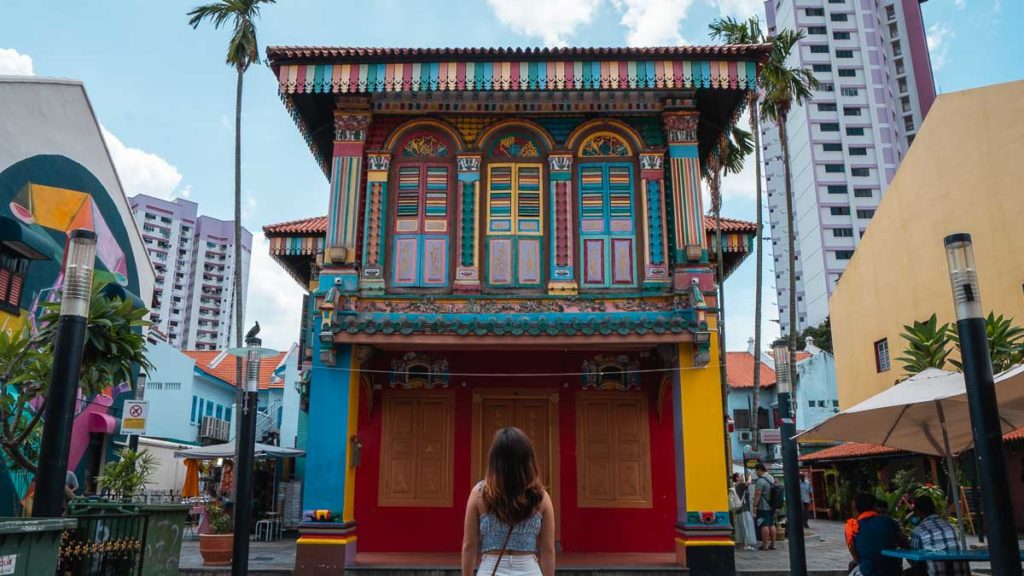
(423, 179)
(514, 211)
(607, 212)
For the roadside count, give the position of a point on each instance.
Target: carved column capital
(350, 126)
(560, 161)
(681, 127)
(652, 159)
(468, 163)
(378, 160)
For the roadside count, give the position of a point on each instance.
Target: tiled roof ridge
(291, 52)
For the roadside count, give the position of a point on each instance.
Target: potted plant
(217, 541)
(125, 479)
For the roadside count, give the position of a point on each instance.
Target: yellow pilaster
(353, 428)
(703, 430)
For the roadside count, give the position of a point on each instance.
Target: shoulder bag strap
(502, 552)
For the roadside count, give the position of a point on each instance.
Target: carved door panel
(613, 450)
(532, 417)
(417, 448)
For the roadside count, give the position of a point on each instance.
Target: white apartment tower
(193, 302)
(845, 144)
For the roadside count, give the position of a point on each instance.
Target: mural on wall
(42, 199)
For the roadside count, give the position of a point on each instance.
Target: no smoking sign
(134, 420)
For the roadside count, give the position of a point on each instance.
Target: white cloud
(553, 21)
(739, 8)
(248, 205)
(143, 172)
(653, 22)
(960, 4)
(12, 63)
(274, 298)
(939, 36)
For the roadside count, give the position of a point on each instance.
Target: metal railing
(102, 545)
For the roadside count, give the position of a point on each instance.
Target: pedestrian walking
(510, 521)
(805, 499)
(764, 509)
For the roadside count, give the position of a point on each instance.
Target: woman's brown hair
(512, 489)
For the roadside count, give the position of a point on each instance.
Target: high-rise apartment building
(193, 303)
(845, 144)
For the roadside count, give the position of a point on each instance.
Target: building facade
(817, 399)
(193, 257)
(900, 272)
(514, 237)
(192, 396)
(56, 176)
(847, 141)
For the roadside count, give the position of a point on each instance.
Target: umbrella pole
(954, 485)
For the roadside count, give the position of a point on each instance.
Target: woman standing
(746, 535)
(510, 520)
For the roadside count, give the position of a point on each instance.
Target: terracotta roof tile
(801, 355)
(279, 53)
(729, 225)
(861, 450)
(306, 226)
(849, 450)
(224, 369)
(740, 369)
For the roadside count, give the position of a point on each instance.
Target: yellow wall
(964, 173)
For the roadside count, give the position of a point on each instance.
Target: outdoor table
(934, 556)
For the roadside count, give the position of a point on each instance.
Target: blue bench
(932, 555)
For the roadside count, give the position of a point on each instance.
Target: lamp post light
(245, 446)
(79, 260)
(790, 466)
(981, 401)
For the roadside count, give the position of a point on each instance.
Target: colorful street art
(42, 199)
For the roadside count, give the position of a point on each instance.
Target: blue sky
(164, 95)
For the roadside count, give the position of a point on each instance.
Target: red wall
(393, 529)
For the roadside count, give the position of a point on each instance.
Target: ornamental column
(563, 274)
(652, 201)
(371, 278)
(342, 215)
(467, 272)
(689, 251)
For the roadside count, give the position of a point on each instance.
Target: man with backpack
(768, 497)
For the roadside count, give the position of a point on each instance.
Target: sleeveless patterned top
(493, 532)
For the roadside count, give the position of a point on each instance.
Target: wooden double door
(535, 412)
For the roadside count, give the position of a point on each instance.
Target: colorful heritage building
(514, 237)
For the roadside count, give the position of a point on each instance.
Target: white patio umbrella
(927, 414)
(227, 450)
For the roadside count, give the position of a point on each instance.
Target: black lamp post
(79, 261)
(245, 447)
(790, 465)
(984, 410)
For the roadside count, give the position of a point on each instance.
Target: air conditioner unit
(215, 428)
(746, 436)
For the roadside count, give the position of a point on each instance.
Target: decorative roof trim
(450, 75)
(278, 54)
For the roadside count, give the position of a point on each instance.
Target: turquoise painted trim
(686, 314)
(682, 150)
(327, 449)
(693, 520)
(468, 227)
(654, 224)
(561, 176)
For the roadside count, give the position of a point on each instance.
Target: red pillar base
(325, 550)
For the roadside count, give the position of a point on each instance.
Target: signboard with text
(133, 418)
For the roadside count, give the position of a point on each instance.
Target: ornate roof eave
(310, 77)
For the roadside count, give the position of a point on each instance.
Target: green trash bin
(30, 546)
(165, 525)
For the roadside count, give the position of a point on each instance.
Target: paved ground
(826, 556)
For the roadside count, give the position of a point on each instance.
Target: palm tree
(783, 87)
(243, 51)
(732, 149)
(732, 31)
